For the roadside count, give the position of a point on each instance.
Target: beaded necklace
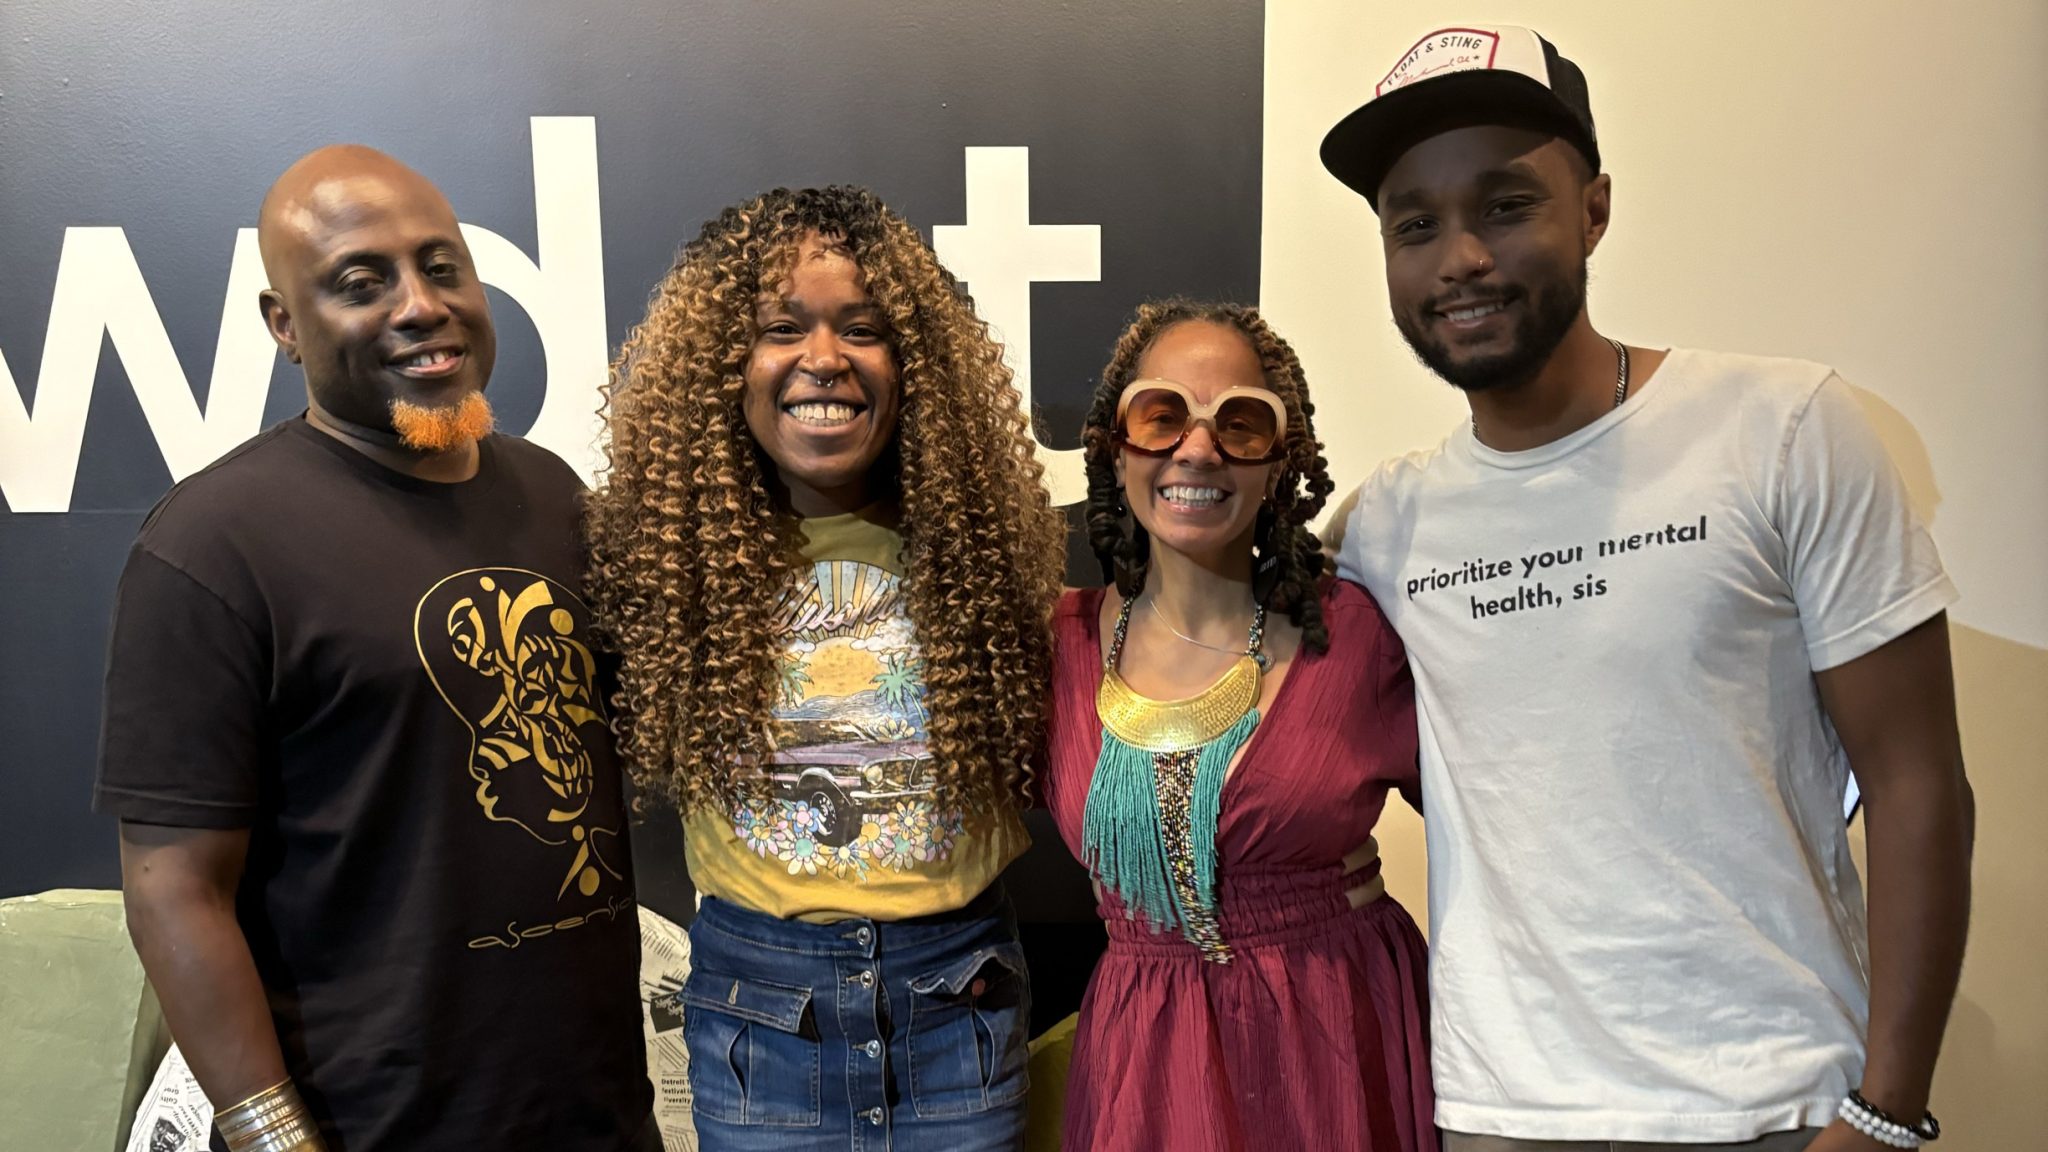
(1149, 829)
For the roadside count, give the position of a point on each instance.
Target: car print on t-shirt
(849, 776)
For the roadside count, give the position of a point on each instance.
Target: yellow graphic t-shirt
(849, 829)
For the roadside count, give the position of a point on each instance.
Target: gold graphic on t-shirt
(501, 647)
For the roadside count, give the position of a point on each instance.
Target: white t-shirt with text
(1645, 923)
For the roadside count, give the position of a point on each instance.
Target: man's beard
(439, 429)
(1554, 306)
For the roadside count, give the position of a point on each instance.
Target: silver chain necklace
(1620, 394)
(1152, 602)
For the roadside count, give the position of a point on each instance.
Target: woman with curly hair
(1226, 723)
(825, 556)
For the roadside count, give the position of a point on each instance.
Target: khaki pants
(1776, 1142)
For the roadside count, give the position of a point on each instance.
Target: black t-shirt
(390, 683)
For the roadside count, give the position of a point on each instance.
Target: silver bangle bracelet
(273, 1120)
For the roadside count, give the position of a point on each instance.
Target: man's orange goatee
(425, 429)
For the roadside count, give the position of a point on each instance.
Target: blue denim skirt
(905, 1035)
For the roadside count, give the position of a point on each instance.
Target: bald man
(372, 835)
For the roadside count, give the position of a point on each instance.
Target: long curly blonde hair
(692, 553)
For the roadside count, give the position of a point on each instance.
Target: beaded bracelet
(1884, 1127)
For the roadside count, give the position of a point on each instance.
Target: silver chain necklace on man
(1620, 392)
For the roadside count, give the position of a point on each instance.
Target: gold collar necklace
(1190, 722)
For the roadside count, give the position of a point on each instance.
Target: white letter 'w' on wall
(100, 290)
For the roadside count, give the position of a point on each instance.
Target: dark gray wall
(169, 120)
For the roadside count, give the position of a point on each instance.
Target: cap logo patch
(1451, 50)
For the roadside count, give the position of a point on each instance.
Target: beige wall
(1858, 183)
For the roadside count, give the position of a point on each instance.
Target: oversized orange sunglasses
(1154, 417)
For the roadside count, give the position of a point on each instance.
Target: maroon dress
(1316, 1036)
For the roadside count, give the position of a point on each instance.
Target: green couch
(80, 1033)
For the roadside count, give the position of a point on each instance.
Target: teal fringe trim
(1122, 841)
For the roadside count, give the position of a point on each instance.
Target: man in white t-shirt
(1658, 604)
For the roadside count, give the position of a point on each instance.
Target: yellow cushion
(1050, 1054)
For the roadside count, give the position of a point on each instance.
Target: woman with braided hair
(825, 556)
(1226, 723)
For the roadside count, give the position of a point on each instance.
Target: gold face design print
(506, 649)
